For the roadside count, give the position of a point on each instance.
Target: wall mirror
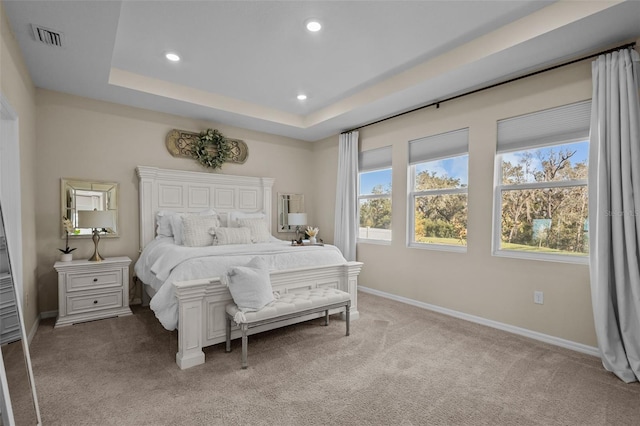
(78, 195)
(18, 399)
(288, 203)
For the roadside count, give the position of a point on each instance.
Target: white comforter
(162, 262)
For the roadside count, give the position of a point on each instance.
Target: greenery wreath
(200, 149)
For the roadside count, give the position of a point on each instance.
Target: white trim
(579, 259)
(543, 185)
(557, 341)
(373, 241)
(496, 237)
(34, 329)
(411, 208)
(438, 247)
(48, 314)
(10, 189)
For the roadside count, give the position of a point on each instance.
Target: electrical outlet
(538, 297)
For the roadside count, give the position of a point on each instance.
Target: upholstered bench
(287, 306)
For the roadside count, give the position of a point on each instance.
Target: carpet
(402, 365)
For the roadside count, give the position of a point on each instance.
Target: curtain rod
(531, 74)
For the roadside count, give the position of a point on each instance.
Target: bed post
(352, 271)
(190, 295)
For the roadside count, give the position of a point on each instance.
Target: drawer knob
(95, 302)
(95, 280)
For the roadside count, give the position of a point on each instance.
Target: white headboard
(184, 191)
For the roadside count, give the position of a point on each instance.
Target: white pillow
(163, 222)
(225, 236)
(235, 215)
(250, 285)
(176, 223)
(224, 219)
(258, 227)
(196, 230)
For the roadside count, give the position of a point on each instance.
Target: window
(374, 195)
(541, 185)
(439, 170)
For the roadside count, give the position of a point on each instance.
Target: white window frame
(374, 197)
(576, 130)
(413, 194)
(375, 160)
(442, 146)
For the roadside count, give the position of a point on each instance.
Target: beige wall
(475, 282)
(88, 139)
(18, 89)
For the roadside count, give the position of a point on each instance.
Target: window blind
(443, 145)
(567, 123)
(374, 159)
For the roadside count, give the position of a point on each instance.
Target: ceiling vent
(47, 36)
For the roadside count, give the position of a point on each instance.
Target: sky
(458, 167)
(581, 155)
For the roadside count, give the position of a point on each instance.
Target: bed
(182, 284)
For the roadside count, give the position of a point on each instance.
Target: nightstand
(89, 291)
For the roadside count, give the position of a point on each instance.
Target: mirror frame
(67, 207)
(284, 206)
(4, 386)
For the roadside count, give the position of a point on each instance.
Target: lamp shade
(297, 219)
(95, 219)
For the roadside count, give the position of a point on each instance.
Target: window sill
(438, 247)
(377, 242)
(578, 260)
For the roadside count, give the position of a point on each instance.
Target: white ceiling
(244, 62)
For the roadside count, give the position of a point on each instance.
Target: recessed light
(313, 25)
(172, 57)
(302, 97)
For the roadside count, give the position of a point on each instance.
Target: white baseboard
(33, 330)
(567, 344)
(48, 314)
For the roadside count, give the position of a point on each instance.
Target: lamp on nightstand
(99, 221)
(297, 219)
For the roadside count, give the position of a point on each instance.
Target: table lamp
(297, 219)
(99, 221)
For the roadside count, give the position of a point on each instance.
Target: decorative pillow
(258, 227)
(163, 222)
(235, 215)
(250, 285)
(176, 223)
(195, 230)
(224, 219)
(226, 236)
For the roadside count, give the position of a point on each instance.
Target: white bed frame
(202, 302)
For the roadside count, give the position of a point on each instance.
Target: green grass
(443, 241)
(503, 246)
(536, 249)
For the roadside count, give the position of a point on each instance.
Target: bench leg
(244, 327)
(228, 348)
(326, 317)
(347, 316)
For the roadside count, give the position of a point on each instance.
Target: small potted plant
(67, 254)
(312, 232)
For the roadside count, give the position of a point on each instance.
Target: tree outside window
(374, 202)
(543, 200)
(439, 198)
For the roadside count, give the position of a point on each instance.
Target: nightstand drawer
(91, 302)
(90, 290)
(96, 280)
